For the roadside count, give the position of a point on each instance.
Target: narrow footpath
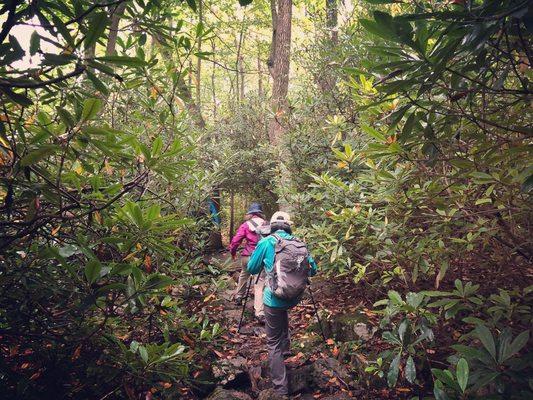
(331, 369)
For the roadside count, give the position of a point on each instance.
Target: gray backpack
(290, 275)
(262, 230)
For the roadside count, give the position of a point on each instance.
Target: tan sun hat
(281, 217)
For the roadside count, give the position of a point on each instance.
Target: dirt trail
(317, 369)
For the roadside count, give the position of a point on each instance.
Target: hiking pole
(246, 300)
(244, 303)
(316, 313)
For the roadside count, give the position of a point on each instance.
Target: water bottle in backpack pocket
(290, 274)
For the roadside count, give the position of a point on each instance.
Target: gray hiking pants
(278, 343)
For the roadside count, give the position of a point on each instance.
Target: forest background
(398, 134)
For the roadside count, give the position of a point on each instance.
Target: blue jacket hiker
(281, 255)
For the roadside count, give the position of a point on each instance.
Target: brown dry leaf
(403, 390)
(13, 351)
(76, 353)
(35, 376)
(166, 385)
(219, 354)
(108, 168)
(334, 381)
(330, 341)
(55, 230)
(188, 340)
(207, 298)
(335, 352)
(295, 358)
(97, 217)
(25, 365)
(148, 263)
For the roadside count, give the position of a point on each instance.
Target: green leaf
(462, 374)
(383, 1)
(58, 59)
(374, 133)
(90, 108)
(66, 118)
(481, 177)
(157, 281)
(527, 185)
(375, 28)
(35, 43)
(439, 393)
(97, 83)
(410, 370)
(144, 354)
(395, 297)
(37, 155)
(123, 61)
(157, 145)
(192, 4)
(92, 270)
(519, 342)
(392, 376)
(485, 336)
(98, 23)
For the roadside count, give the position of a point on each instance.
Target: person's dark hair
(275, 226)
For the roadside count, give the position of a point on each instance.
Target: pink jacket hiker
(246, 232)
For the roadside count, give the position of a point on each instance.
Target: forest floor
(318, 369)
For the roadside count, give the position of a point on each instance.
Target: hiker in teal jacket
(276, 315)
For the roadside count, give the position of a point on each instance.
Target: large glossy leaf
(517, 344)
(90, 108)
(92, 270)
(410, 370)
(462, 373)
(394, 369)
(485, 336)
(97, 83)
(97, 26)
(35, 43)
(37, 155)
(123, 61)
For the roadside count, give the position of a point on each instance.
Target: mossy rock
(349, 327)
(223, 394)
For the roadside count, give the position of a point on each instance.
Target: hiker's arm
(237, 239)
(255, 263)
(312, 264)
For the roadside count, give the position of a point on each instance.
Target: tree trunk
(232, 215)
(199, 60)
(116, 15)
(259, 76)
(326, 79)
(279, 65)
(213, 88)
(331, 20)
